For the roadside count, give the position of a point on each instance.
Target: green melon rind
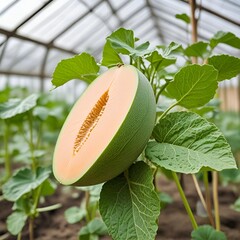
(130, 139)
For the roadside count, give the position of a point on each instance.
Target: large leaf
(207, 232)
(110, 56)
(16, 222)
(23, 182)
(123, 41)
(187, 142)
(227, 66)
(194, 85)
(129, 205)
(199, 49)
(15, 106)
(226, 38)
(83, 67)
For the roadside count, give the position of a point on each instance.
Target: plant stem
(49, 208)
(215, 200)
(199, 192)
(161, 90)
(31, 144)
(36, 198)
(5, 236)
(185, 202)
(87, 199)
(39, 136)
(30, 228)
(208, 197)
(8, 167)
(165, 112)
(19, 236)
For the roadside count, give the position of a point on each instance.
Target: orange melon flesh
(92, 125)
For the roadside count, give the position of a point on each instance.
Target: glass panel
(80, 32)
(138, 19)
(91, 3)
(52, 20)
(129, 9)
(6, 5)
(22, 56)
(116, 4)
(2, 38)
(21, 10)
(95, 41)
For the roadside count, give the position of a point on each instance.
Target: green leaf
(110, 56)
(230, 176)
(226, 38)
(16, 106)
(204, 110)
(122, 40)
(187, 142)
(83, 67)
(142, 47)
(227, 66)
(207, 232)
(199, 49)
(129, 205)
(183, 17)
(41, 112)
(23, 182)
(171, 48)
(22, 205)
(48, 188)
(194, 85)
(4, 94)
(236, 205)
(16, 222)
(94, 192)
(27, 155)
(165, 199)
(74, 214)
(158, 61)
(93, 229)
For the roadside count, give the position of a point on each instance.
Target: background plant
(27, 156)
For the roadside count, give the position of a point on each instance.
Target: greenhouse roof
(36, 34)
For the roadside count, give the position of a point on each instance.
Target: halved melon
(107, 128)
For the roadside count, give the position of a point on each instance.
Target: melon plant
(107, 129)
(109, 136)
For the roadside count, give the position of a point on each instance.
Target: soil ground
(173, 221)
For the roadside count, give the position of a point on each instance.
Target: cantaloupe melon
(107, 129)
